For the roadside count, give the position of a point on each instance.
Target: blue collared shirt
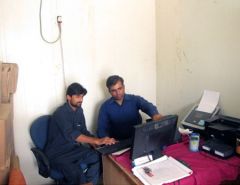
(65, 126)
(117, 121)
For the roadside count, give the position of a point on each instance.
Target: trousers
(71, 165)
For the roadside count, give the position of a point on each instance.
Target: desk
(115, 174)
(207, 170)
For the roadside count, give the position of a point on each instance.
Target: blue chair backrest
(39, 131)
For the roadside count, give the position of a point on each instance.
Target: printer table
(207, 169)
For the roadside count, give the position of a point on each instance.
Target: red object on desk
(207, 169)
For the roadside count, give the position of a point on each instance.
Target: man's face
(75, 100)
(117, 91)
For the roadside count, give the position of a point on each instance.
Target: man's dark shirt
(65, 126)
(118, 121)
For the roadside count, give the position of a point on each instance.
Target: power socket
(59, 19)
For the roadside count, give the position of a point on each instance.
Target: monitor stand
(157, 154)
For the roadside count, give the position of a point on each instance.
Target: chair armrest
(42, 161)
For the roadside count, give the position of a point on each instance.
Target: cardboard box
(10, 104)
(6, 135)
(0, 81)
(9, 76)
(4, 174)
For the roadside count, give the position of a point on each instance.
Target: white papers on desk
(163, 170)
(120, 152)
(209, 101)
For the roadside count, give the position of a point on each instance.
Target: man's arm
(94, 140)
(103, 123)
(148, 108)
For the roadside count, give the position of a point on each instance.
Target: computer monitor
(153, 137)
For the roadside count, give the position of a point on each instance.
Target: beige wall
(198, 48)
(99, 38)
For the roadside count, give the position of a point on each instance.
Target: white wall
(197, 49)
(99, 38)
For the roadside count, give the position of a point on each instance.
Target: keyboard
(108, 149)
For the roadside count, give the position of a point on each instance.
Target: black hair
(76, 89)
(112, 80)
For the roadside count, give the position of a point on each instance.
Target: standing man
(66, 137)
(120, 113)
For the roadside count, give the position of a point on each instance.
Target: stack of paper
(209, 101)
(162, 170)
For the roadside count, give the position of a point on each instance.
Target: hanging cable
(59, 38)
(63, 65)
(59, 22)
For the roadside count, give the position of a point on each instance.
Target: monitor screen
(152, 137)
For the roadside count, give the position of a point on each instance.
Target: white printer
(195, 119)
(206, 109)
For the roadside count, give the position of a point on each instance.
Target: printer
(207, 108)
(221, 135)
(196, 120)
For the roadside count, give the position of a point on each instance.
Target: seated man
(66, 137)
(120, 113)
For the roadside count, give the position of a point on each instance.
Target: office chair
(38, 133)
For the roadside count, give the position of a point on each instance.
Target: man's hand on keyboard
(106, 141)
